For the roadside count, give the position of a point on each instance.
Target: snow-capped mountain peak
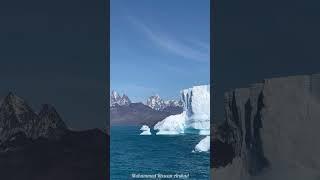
(114, 95)
(116, 99)
(155, 102)
(125, 100)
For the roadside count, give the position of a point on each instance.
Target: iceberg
(172, 125)
(145, 130)
(203, 145)
(195, 118)
(272, 128)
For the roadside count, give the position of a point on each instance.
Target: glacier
(145, 130)
(203, 145)
(195, 118)
(272, 129)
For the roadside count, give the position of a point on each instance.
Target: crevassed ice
(195, 117)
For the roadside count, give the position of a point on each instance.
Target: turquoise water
(149, 155)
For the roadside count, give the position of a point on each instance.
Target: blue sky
(159, 46)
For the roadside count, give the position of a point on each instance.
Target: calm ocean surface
(150, 155)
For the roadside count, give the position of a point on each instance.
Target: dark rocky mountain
(138, 114)
(41, 147)
(17, 116)
(50, 124)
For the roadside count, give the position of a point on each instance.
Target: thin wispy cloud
(201, 44)
(196, 51)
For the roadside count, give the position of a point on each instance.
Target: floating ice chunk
(172, 125)
(145, 130)
(203, 145)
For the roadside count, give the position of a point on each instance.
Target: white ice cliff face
(203, 145)
(145, 130)
(271, 127)
(196, 115)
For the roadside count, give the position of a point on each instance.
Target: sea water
(133, 156)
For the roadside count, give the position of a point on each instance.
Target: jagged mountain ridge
(155, 102)
(154, 110)
(41, 147)
(117, 100)
(17, 116)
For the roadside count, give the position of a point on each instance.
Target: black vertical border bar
(107, 59)
(212, 84)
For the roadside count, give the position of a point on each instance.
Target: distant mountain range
(123, 111)
(41, 147)
(154, 102)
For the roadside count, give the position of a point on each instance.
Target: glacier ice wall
(196, 115)
(271, 127)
